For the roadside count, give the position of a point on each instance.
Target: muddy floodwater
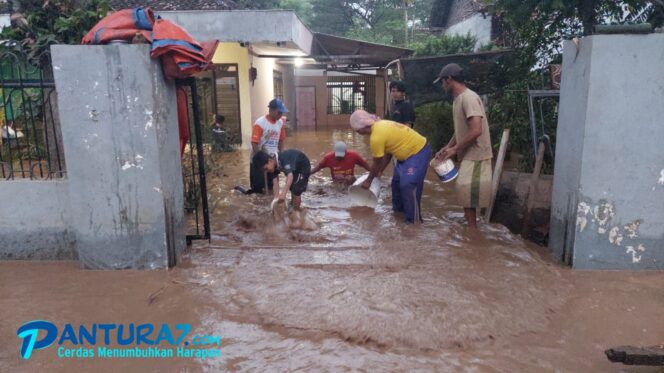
(347, 289)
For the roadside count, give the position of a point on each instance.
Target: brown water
(355, 290)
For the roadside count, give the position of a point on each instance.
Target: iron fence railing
(193, 167)
(30, 138)
(349, 93)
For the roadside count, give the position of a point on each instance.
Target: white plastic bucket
(446, 170)
(365, 197)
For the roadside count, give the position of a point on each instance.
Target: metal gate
(193, 169)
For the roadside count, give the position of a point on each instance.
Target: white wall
(262, 91)
(477, 25)
(288, 77)
(4, 21)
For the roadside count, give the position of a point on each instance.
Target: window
(346, 94)
(278, 82)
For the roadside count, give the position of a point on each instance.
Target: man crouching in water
(294, 164)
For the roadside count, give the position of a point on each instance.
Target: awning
(340, 51)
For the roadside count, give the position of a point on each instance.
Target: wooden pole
(495, 182)
(530, 197)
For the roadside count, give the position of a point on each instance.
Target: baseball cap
(339, 149)
(277, 104)
(449, 70)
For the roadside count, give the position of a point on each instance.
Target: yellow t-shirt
(395, 138)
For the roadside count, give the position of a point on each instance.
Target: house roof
(175, 4)
(446, 13)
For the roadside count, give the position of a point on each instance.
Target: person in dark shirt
(294, 164)
(403, 111)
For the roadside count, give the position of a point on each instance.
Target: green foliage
(508, 108)
(257, 4)
(420, 11)
(303, 8)
(536, 28)
(377, 21)
(34, 152)
(487, 47)
(444, 45)
(54, 22)
(434, 121)
(389, 32)
(330, 17)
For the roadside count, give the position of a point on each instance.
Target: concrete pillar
(608, 194)
(120, 134)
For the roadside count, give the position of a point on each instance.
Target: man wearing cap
(341, 163)
(403, 111)
(267, 134)
(391, 139)
(471, 143)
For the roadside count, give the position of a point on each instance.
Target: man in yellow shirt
(391, 139)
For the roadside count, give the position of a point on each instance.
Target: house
(462, 17)
(270, 53)
(348, 75)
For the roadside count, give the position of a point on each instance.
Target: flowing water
(349, 289)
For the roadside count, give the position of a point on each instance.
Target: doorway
(305, 99)
(227, 98)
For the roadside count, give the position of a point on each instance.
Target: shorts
(300, 183)
(473, 184)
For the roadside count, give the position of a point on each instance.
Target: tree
(39, 24)
(444, 45)
(379, 21)
(257, 4)
(330, 17)
(587, 12)
(537, 27)
(303, 8)
(420, 12)
(376, 21)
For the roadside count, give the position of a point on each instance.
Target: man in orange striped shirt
(268, 134)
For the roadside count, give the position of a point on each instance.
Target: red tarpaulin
(180, 54)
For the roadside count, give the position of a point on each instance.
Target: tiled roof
(175, 4)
